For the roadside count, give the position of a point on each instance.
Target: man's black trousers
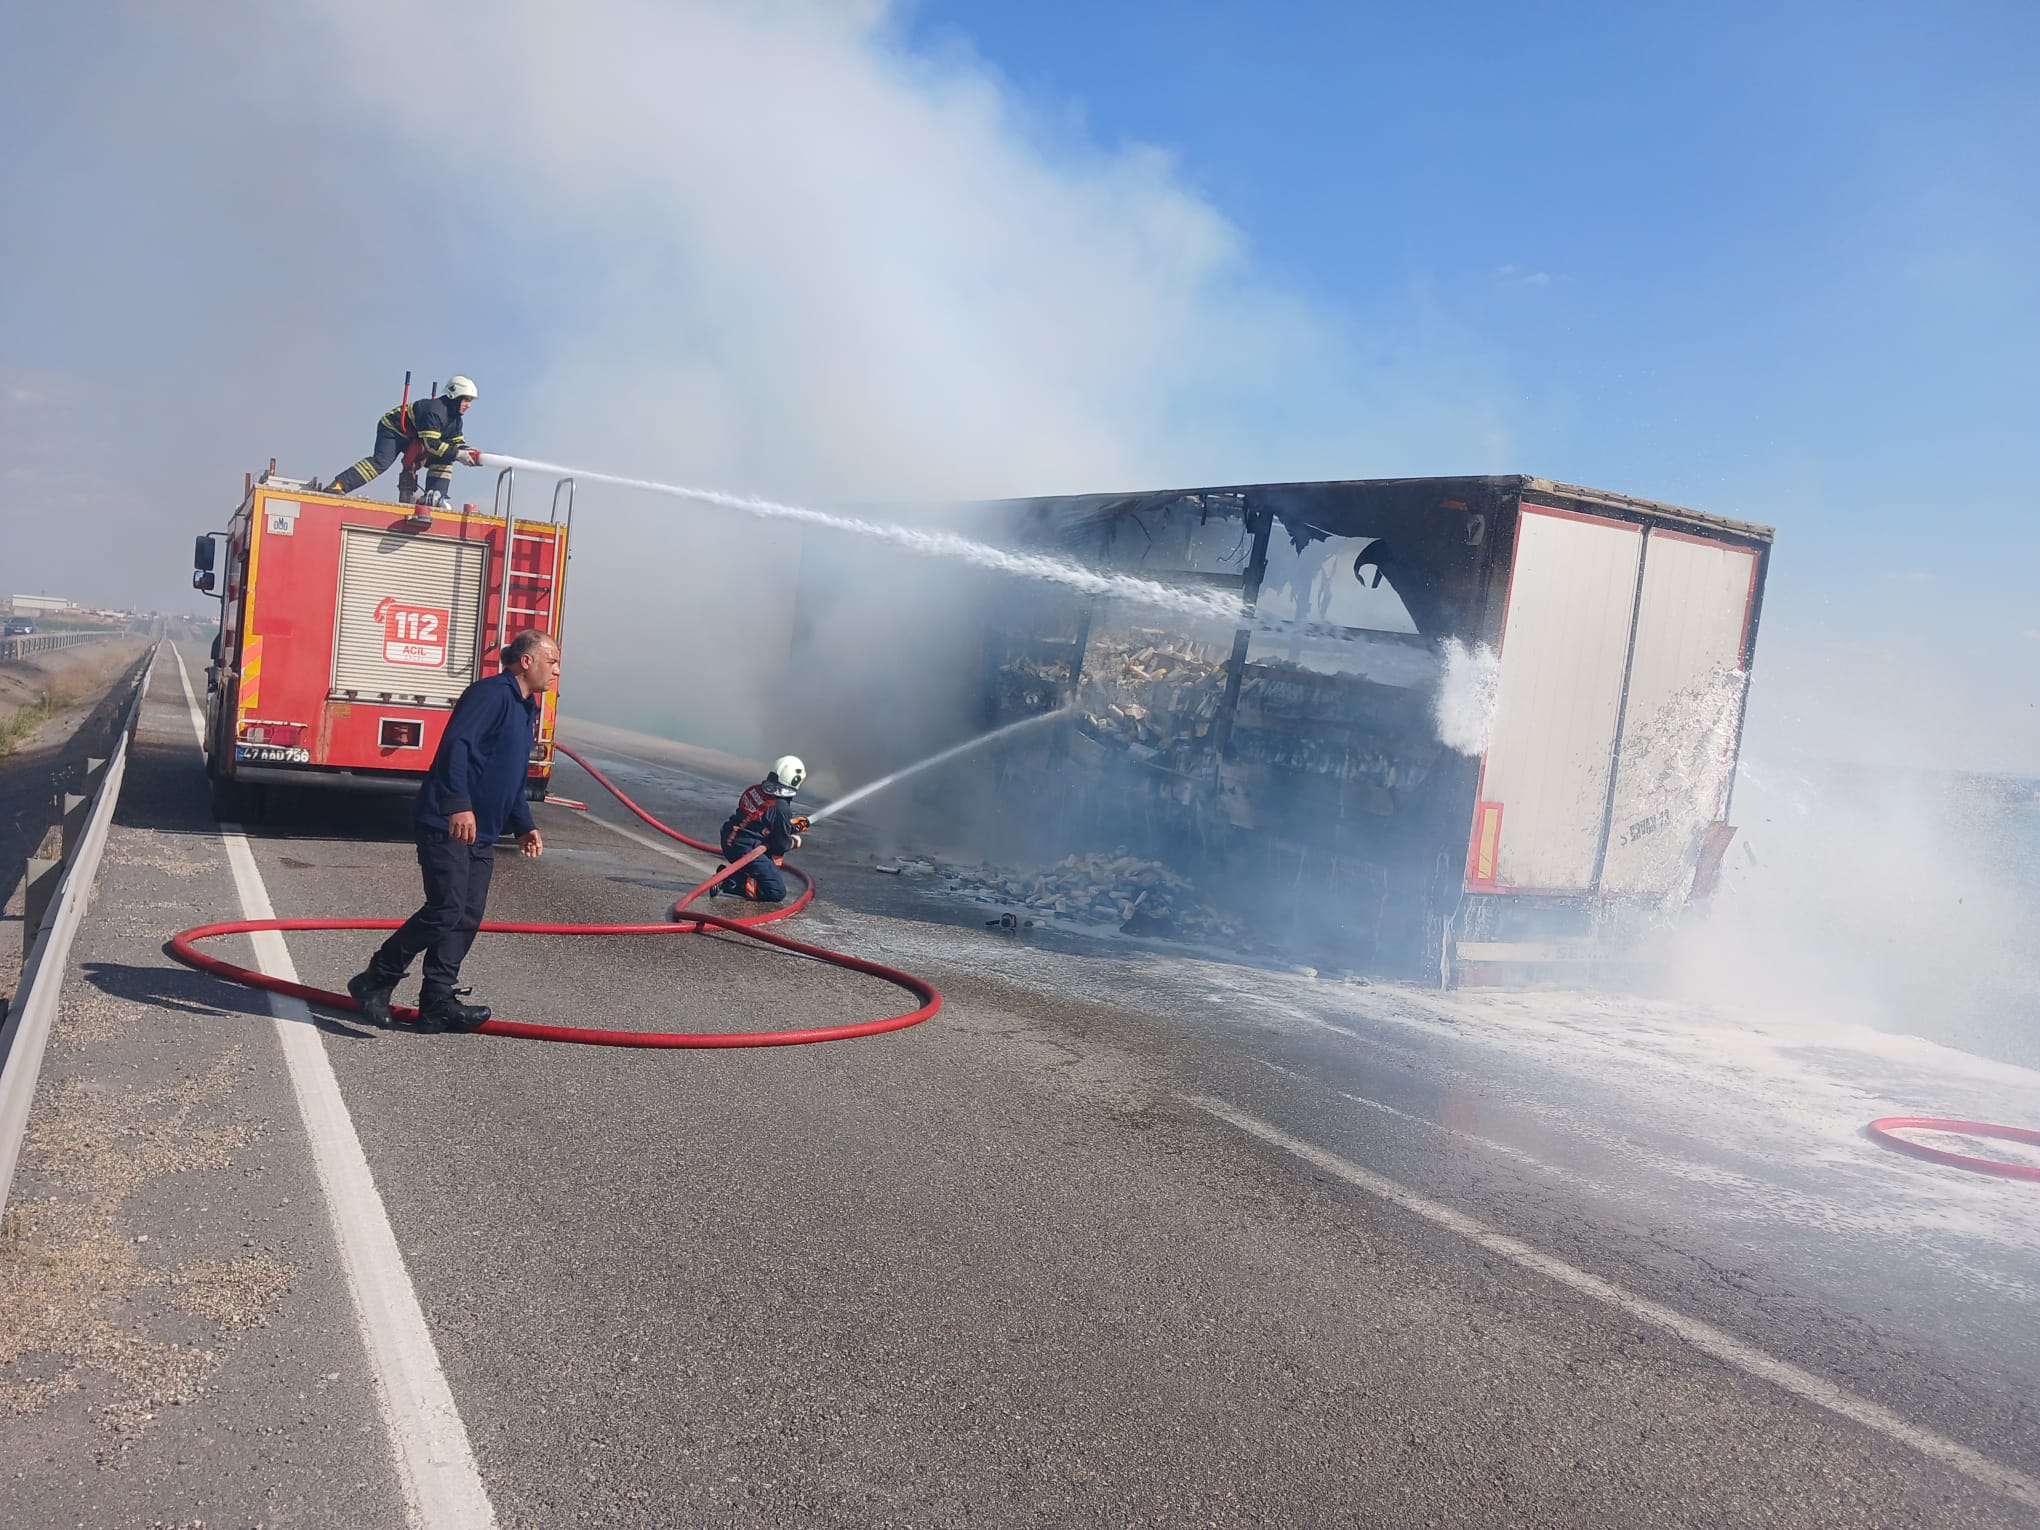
(456, 894)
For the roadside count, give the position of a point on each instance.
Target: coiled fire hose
(681, 919)
(1886, 1129)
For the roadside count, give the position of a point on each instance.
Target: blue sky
(1776, 262)
(1780, 262)
(1704, 247)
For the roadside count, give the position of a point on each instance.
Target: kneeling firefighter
(764, 817)
(427, 433)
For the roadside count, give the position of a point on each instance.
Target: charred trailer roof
(1437, 541)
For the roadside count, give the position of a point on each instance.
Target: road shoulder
(188, 1351)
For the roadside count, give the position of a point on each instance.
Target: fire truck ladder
(537, 586)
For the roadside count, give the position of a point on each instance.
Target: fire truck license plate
(414, 634)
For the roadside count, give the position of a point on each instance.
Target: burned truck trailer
(1469, 729)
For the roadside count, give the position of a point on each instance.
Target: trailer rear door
(1551, 748)
(410, 614)
(1674, 763)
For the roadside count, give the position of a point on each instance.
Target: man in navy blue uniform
(473, 794)
(763, 817)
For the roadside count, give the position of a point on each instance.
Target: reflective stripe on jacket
(434, 428)
(760, 819)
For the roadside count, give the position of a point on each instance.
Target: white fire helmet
(459, 387)
(788, 772)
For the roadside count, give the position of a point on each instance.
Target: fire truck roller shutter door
(409, 615)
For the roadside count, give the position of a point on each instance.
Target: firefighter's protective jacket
(434, 428)
(760, 819)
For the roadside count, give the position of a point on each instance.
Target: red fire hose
(1885, 1130)
(681, 920)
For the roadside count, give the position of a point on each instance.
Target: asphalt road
(1118, 1238)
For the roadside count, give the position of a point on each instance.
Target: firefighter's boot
(372, 995)
(445, 1012)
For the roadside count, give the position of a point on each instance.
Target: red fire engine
(349, 627)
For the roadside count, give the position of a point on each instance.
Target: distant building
(41, 605)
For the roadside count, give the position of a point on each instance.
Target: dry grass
(16, 727)
(35, 689)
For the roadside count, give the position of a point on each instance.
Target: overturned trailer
(1475, 730)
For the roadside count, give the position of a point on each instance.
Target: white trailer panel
(1565, 643)
(1679, 724)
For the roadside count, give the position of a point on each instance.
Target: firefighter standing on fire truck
(427, 432)
(763, 817)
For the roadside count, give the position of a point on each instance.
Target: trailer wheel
(534, 791)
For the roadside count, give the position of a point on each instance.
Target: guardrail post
(71, 812)
(37, 888)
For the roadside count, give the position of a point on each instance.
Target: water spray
(1209, 604)
(955, 751)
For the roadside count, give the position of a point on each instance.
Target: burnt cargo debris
(1586, 655)
(1103, 888)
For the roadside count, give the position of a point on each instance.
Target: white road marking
(442, 1486)
(1710, 1340)
(1473, 1139)
(671, 849)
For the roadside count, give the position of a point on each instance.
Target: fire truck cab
(348, 630)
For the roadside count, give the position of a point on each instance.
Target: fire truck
(349, 627)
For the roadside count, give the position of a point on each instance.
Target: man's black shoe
(445, 1012)
(372, 995)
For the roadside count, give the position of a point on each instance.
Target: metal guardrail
(43, 642)
(57, 892)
